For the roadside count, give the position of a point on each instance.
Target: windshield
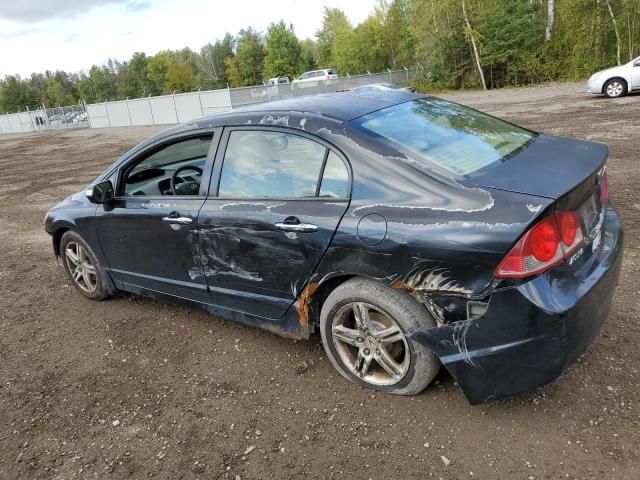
(458, 139)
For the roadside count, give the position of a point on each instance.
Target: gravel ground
(132, 388)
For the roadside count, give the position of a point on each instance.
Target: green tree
(396, 32)
(14, 94)
(283, 51)
(61, 89)
(231, 69)
(179, 77)
(334, 24)
(369, 51)
(250, 56)
(510, 31)
(99, 85)
(140, 86)
(212, 70)
(308, 55)
(157, 69)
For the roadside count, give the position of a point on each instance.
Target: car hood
(608, 71)
(548, 167)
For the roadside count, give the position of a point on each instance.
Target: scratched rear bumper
(532, 332)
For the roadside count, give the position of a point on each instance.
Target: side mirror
(100, 192)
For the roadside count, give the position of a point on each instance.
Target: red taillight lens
(546, 244)
(604, 188)
(544, 240)
(568, 222)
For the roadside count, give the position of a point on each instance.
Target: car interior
(173, 170)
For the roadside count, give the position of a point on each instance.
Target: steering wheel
(185, 188)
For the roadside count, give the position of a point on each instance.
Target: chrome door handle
(297, 227)
(178, 220)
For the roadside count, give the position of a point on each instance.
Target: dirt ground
(131, 388)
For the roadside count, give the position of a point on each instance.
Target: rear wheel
(615, 88)
(82, 266)
(365, 329)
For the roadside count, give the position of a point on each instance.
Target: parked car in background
(69, 117)
(385, 87)
(407, 230)
(278, 81)
(617, 81)
(317, 75)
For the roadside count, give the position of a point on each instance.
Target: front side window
(175, 169)
(269, 164)
(444, 135)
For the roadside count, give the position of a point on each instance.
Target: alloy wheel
(370, 344)
(80, 266)
(615, 89)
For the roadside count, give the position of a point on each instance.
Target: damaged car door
(148, 231)
(275, 202)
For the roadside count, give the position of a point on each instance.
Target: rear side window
(264, 164)
(335, 179)
(445, 135)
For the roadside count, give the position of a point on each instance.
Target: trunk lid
(569, 172)
(547, 167)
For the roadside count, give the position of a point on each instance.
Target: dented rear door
(275, 202)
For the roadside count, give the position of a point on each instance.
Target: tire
(361, 355)
(615, 88)
(79, 261)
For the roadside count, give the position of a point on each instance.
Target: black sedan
(409, 231)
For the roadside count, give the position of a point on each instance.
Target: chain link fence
(43, 119)
(183, 107)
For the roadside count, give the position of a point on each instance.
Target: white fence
(162, 110)
(183, 107)
(43, 119)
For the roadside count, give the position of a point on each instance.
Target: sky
(73, 35)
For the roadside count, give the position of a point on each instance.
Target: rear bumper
(532, 332)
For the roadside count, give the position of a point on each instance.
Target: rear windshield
(438, 133)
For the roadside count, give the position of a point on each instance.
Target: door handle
(297, 227)
(178, 220)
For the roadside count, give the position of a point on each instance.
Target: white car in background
(278, 81)
(317, 75)
(617, 81)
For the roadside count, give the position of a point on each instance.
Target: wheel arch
(315, 294)
(57, 232)
(56, 236)
(616, 77)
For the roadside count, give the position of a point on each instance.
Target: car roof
(341, 106)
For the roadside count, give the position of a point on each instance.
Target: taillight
(544, 241)
(546, 244)
(604, 188)
(568, 222)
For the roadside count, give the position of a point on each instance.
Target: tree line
(455, 43)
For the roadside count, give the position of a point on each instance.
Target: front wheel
(365, 329)
(615, 88)
(82, 266)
